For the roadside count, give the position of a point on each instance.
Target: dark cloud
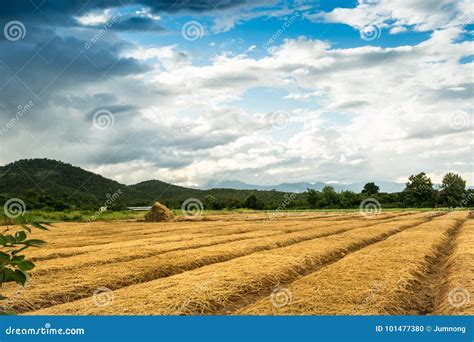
(42, 69)
(136, 23)
(57, 12)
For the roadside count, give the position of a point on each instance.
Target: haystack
(159, 213)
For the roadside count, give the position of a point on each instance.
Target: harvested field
(456, 295)
(385, 278)
(230, 264)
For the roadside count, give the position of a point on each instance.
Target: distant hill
(51, 184)
(53, 181)
(389, 187)
(58, 185)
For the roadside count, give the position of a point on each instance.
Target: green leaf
(17, 259)
(20, 236)
(26, 265)
(34, 243)
(8, 275)
(38, 225)
(25, 227)
(20, 277)
(4, 258)
(10, 238)
(3, 240)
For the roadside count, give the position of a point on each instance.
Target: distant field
(88, 215)
(342, 263)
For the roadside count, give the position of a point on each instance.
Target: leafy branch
(14, 267)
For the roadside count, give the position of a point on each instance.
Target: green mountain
(56, 184)
(45, 183)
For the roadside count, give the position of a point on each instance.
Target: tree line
(419, 192)
(59, 195)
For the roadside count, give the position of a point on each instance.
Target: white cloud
(379, 113)
(399, 15)
(397, 110)
(94, 18)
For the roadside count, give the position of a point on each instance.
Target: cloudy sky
(260, 91)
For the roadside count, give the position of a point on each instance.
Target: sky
(262, 91)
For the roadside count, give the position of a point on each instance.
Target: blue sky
(260, 91)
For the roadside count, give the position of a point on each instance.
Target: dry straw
(234, 271)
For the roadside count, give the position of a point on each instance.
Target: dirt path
(426, 292)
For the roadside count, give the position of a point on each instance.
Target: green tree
(370, 189)
(209, 202)
(233, 203)
(348, 199)
(329, 197)
(468, 199)
(419, 191)
(252, 202)
(312, 197)
(453, 190)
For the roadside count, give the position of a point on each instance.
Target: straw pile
(159, 213)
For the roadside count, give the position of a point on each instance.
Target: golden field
(247, 264)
